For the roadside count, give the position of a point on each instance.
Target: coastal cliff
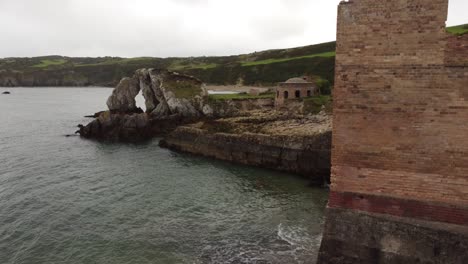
(38, 78)
(231, 108)
(295, 144)
(171, 99)
(247, 131)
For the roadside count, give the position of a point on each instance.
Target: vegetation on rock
(269, 61)
(458, 30)
(47, 63)
(240, 96)
(184, 89)
(315, 104)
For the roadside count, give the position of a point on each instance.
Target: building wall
(291, 88)
(400, 112)
(400, 130)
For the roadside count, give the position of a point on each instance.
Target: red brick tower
(399, 190)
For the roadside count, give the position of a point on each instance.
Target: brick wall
(292, 88)
(400, 107)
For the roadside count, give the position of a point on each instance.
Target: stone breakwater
(306, 155)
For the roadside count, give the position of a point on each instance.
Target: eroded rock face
(12, 78)
(296, 144)
(229, 108)
(134, 127)
(123, 97)
(124, 127)
(166, 93)
(144, 80)
(177, 94)
(170, 98)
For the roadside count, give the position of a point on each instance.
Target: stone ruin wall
(400, 111)
(291, 88)
(400, 136)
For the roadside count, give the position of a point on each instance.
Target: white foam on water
(295, 236)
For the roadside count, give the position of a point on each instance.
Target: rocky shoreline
(303, 154)
(134, 127)
(249, 132)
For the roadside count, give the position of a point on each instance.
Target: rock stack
(170, 99)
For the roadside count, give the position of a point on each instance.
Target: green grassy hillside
(259, 68)
(458, 30)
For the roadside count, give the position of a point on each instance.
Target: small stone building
(294, 88)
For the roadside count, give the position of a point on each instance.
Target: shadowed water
(69, 200)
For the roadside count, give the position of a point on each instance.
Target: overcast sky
(163, 28)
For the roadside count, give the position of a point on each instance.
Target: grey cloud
(277, 27)
(168, 27)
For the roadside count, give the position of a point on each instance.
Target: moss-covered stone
(186, 89)
(314, 104)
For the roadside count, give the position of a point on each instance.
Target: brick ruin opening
(294, 88)
(399, 191)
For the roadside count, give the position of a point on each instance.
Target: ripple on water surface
(68, 200)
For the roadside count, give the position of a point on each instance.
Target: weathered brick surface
(400, 207)
(304, 90)
(456, 53)
(400, 102)
(400, 136)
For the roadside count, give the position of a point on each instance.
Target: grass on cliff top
(269, 61)
(314, 104)
(183, 89)
(48, 63)
(117, 61)
(240, 96)
(458, 30)
(181, 65)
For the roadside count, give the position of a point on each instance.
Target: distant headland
(256, 69)
(264, 68)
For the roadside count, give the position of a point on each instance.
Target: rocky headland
(171, 99)
(282, 141)
(248, 131)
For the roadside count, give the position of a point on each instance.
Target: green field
(458, 30)
(49, 63)
(269, 61)
(117, 61)
(181, 65)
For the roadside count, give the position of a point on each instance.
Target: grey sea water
(69, 200)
